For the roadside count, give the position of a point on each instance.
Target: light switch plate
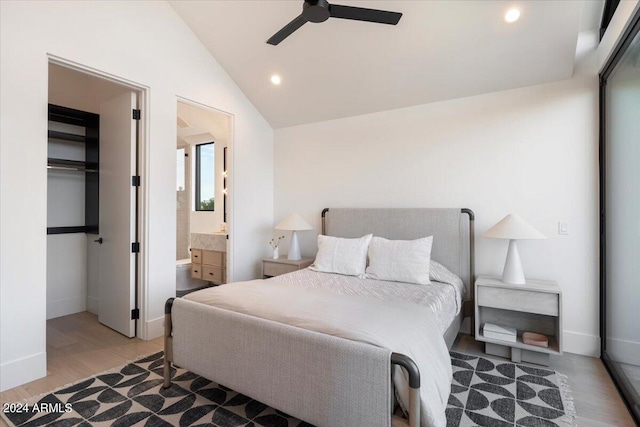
(563, 228)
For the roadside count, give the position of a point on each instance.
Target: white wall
(144, 42)
(530, 151)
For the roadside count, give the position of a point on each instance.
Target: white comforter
(401, 327)
(443, 296)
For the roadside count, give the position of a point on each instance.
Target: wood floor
(597, 401)
(78, 347)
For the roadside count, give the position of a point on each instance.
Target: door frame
(142, 225)
(619, 379)
(229, 178)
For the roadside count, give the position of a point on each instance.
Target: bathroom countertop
(216, 241)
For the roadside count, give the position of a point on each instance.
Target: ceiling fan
(321, 10)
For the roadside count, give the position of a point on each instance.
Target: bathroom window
(205, 172)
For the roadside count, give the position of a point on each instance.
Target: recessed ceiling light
(512, 15)
(275, 79)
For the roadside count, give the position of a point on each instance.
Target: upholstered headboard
(452, 231)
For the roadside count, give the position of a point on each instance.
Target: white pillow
(400, 260)
(342, 256)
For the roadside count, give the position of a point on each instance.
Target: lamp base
(294, 248)
(513, 272)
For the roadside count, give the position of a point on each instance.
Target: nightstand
(275, 267)
(535, 307)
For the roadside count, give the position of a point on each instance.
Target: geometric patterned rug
(485, 392)
(490, 392)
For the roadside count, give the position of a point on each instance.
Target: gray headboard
(452, 231)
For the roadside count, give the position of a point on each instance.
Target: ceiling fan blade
(363, 14)
(287, 30)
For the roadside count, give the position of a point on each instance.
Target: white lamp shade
(513, 227)
(294, 222)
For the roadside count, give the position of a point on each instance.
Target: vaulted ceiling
(439, 50)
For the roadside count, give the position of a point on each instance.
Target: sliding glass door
(620, 205)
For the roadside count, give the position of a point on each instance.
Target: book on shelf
(500, 332)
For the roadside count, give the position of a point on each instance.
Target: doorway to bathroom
(202, 192)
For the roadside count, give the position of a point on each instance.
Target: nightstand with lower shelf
(275, 267)
(535, 306)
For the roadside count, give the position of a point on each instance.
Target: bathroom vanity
(209, 257)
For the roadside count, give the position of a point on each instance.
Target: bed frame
(307, 374)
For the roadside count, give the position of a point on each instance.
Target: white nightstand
(275, 267)
(535, 307)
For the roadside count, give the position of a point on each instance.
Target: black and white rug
(485, 392)
(497, 393)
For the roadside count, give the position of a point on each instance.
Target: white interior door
(116, 262)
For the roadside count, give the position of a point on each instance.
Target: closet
(73, 165)
(74, 146)
(92, 199)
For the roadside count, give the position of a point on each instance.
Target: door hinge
(135, 314)
(135, 181)
(136, 114)
(135, 247)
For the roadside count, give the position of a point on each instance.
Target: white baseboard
(92, 305)
(66, 306)
(578, 343)
(153, 329)
(22, 371)
(624, 351)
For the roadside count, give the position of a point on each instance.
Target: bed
(329, 375)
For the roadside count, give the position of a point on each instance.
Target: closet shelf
(71, 117)
(71, 230)
(90, 165)
(52, 134)
(71, 165)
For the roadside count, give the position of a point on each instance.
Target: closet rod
(71, 169)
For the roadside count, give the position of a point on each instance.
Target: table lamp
(514, 228)
(294, 223)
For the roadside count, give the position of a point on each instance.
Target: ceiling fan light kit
(320, 10)
(316, 11)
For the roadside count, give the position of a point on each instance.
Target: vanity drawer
(519, 300)
(196, 256)
(212, 274)
(196, 271)
(213, 258)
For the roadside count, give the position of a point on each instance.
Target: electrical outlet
(563, 228)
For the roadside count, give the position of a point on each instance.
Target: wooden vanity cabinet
(209, 265)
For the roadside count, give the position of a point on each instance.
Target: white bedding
(443, 299)
(387, 323)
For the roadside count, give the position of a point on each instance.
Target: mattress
(443, 299)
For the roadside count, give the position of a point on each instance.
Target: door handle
(99, 240)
